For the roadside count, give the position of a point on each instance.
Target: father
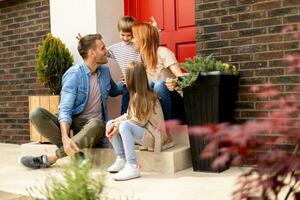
(83, 105)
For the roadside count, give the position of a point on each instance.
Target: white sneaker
(130, 171)
(117, 166)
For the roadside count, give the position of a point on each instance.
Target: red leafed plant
(275, 174)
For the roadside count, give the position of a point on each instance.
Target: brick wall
(23, 25)
(248, 34)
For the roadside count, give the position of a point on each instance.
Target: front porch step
(171, 160)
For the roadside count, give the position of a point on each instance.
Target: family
(148, 85)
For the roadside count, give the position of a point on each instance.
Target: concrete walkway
(11, 196)
(184, 185)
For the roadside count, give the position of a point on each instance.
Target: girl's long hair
(142, 97)
(147, 37)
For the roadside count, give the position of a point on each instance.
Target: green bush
(52, 62)
(199, 65)
(77, 183)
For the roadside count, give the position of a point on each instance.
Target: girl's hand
(112, 133)
(171, 83)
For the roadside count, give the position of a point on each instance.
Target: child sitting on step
(143, 123)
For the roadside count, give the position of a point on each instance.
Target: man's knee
(97, 125)
(36, 114)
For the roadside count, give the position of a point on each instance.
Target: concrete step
(171, 160)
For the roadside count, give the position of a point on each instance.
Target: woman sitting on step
(143, 123)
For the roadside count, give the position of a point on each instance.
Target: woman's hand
(171, 83)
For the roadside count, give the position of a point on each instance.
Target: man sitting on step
(83, 106)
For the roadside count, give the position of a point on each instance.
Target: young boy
(124, 53)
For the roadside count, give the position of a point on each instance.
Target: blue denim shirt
(75, 91)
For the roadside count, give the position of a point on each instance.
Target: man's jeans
(87, 133)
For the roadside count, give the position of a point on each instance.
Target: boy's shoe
(130, 171)
(117, 166)
(35, 162)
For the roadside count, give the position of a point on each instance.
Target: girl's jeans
(123, 143)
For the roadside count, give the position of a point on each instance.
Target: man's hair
(125, 24)
(87, 42)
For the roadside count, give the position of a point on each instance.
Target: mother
(161, 65)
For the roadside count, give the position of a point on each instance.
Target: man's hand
(70, 146)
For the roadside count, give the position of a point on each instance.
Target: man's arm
(68, 96)
(115, 89)
(70, 146)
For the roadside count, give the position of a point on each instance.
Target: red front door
(175, 18)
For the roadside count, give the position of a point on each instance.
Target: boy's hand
(78, 37)
(122, 78)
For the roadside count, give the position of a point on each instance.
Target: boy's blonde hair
(125, 24)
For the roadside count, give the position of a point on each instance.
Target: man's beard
(102, 61)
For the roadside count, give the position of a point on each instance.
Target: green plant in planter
(52, 62)
(202, 65)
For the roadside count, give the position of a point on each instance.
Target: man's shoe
(35, 162)
(79, 156)
(130, 171)
(117, 166)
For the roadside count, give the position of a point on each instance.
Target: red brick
(268, 38)
(269, 55)
(267, 5)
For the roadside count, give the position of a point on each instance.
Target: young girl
(143, 123)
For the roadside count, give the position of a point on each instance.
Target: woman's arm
(175, 69)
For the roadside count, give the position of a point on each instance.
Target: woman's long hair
(147, 37)
(142, 97)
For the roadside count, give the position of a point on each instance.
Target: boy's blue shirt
(75, 90)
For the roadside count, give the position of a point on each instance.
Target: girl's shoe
(117, 166)
(130, 171)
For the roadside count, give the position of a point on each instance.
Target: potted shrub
(210, 91)
(52, 62)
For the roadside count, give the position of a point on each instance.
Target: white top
(123, 54)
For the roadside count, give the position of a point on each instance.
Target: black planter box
(210, 99)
